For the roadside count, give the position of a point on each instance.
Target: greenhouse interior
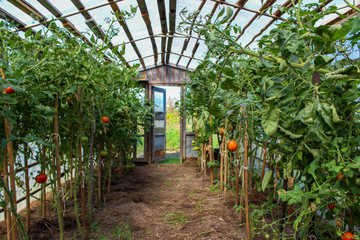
(215, 119)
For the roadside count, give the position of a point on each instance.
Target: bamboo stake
(27, 185)
(264, 162)
(11, 167)
(6, 210)
(248, 230)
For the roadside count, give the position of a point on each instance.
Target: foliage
(299, 93)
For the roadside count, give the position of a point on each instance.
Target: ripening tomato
(331, 206)
(117, 170)
(1, 171)
(348, 236)
(41, 178)
(208, 149)
(232, 145)
(105, 119)
(340, 177)
(221, 131)
(9, 90)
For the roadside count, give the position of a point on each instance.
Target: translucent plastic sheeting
(64, 6)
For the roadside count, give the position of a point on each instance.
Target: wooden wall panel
(164, 75)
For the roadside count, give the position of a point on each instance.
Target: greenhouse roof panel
(152, 35)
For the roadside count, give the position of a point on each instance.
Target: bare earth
(167, 201)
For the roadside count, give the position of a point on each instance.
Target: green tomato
(104, 153)
(84, 139)
(357, 182)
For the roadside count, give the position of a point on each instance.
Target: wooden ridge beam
(123, 24)
(172, 24)
(267, 4)
(145, 15)
(162, 14)
(177, 54)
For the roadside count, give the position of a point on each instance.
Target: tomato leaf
(290, 134)
(266, 180)
(270, 117)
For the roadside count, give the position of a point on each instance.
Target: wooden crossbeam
(173, 53)
(96, 29)
(172, 23)
(241, 4)
(186, 42)
(145, 15)
(278, 13)
(267, 4)
(351, 12)
(197, 41)
(28, 9)
(123, 24)
(10, 18)
(162, 14)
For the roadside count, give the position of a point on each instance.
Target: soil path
(167, 201)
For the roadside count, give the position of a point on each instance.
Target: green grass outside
(172, 160)
(173, 131)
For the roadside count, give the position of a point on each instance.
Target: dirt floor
(167, 201)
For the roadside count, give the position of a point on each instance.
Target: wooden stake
(204, 159)
(100, 166)
(43, 186)
(110, 166)
(211, 156)
(59, 189)
(6, 209)
(91, 168)
(27, 185)
(237, 158)
(81, 175)
(222, 163)
(250, 167)
(11, 167)
(248, 230)
(264, 162)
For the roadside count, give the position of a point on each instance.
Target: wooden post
(237, 172)
(6, 210)
(27, 185)
(110, 165)
(11, 167)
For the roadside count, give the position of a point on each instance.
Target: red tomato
(1, 171)
(331, 206)
(105, 119)
(9, 90)
(340, 177)
(221, 131)
(232, 145)
(348, 236)
(41, 178)
(117, 170)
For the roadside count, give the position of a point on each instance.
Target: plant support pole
(11, 167)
